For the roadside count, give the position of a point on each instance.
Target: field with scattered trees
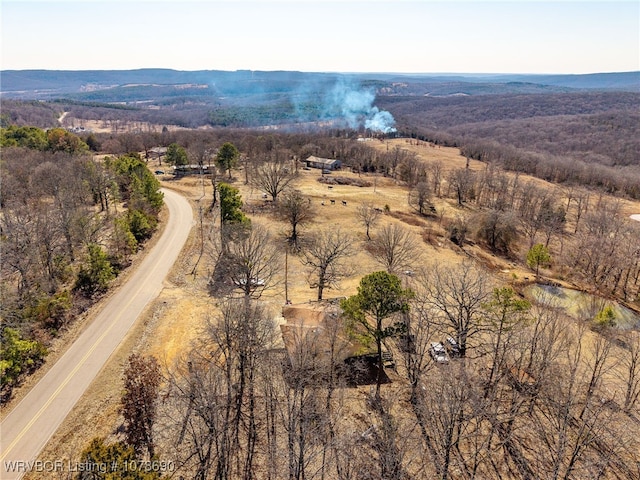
(444, 232)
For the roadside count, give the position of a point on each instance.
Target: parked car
(254, 282)
(452, 347)
(438, 352)
(159, 172)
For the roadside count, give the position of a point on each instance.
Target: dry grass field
(176, 318)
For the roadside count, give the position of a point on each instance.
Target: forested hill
(43, 84)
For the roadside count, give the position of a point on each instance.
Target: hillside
(48, 83)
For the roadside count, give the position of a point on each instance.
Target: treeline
(52, 140)
(65, 236)
(561, 169)
(445, 112)
(609, 139)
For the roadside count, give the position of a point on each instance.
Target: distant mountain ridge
(47, 84)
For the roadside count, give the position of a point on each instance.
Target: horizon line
(465, 73)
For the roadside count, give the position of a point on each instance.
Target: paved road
(28, 427)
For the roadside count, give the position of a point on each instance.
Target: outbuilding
(323, 163)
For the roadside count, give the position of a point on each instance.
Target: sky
(400, 36)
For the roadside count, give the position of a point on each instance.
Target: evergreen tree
(538, 255)
(115, 461)
(380, 296)
(230, 205)
(17, 356)
(227, 157)
(95, 275)
(176, 155)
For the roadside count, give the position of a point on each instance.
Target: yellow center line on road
(66, 380)
(53, 396)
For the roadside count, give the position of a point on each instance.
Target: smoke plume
(356, 108)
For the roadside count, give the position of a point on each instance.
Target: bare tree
(445, 412)
(412, 170)
(19, 250)
(594, 253)
(631, 363)
(462, 181)
(239, 335)
(540, 347)
(197, 416)
(436, 174)
(200, 153)
(101, 184)
(582, 206)
(421, 327)
(251, 261)
(210, 405)
(325, 259)
(296, 210)
(368, 215)
(141, 384)
(572, 419)
(305, 417)
(395, 248)
(497, 230)
(420, 198)
(493, 188)
(273, 177)
(389, 443)
(458, 229)
(504, 312)
(458, 293)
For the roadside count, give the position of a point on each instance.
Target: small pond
(583, 305)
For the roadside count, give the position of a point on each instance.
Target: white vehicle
(254, 282)
(438, 352)
(452, 346)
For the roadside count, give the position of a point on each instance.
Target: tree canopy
(54, 139)
(230, 205)
(17, 356)
(538, 256)
(380, 296)
(176, 155)
(97, 273)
